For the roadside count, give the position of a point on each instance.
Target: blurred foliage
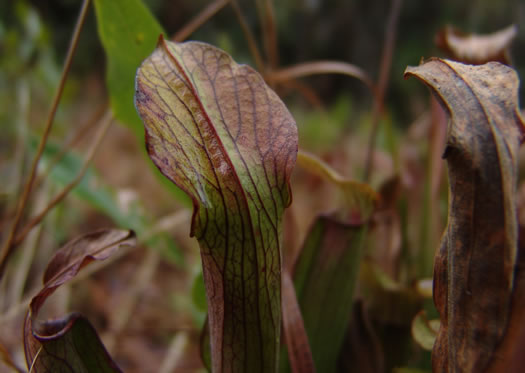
(320, 129)
(125, 50)
(313, 29)
(123, 207)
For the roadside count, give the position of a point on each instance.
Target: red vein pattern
(70, 344)
(222, 135)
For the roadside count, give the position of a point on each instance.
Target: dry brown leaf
(474, 267)
(477, 49)
(509, 356)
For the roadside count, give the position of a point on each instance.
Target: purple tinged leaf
(70, 344)
(217, 131)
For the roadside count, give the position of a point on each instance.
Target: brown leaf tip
(476, 49)
(161, 40)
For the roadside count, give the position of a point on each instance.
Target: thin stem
(8, 246)
(72, 141)
(108, 119)
(322, 67)
(199, 20)
(269, 32)
(13, 185)
(23, 98)
(187, 30)
(124, 312)
(27, 252)
(250, 38)
(384, 73)
(303, 89)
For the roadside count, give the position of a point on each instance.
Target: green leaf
(325, 278)
(128, 32)
(70, 344)
(198, 293)
(217, 131)
(205, 346)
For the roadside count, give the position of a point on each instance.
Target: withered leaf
(215, 129)
(474, 267)
(71, 343)
(509, 357)
(477, 49)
